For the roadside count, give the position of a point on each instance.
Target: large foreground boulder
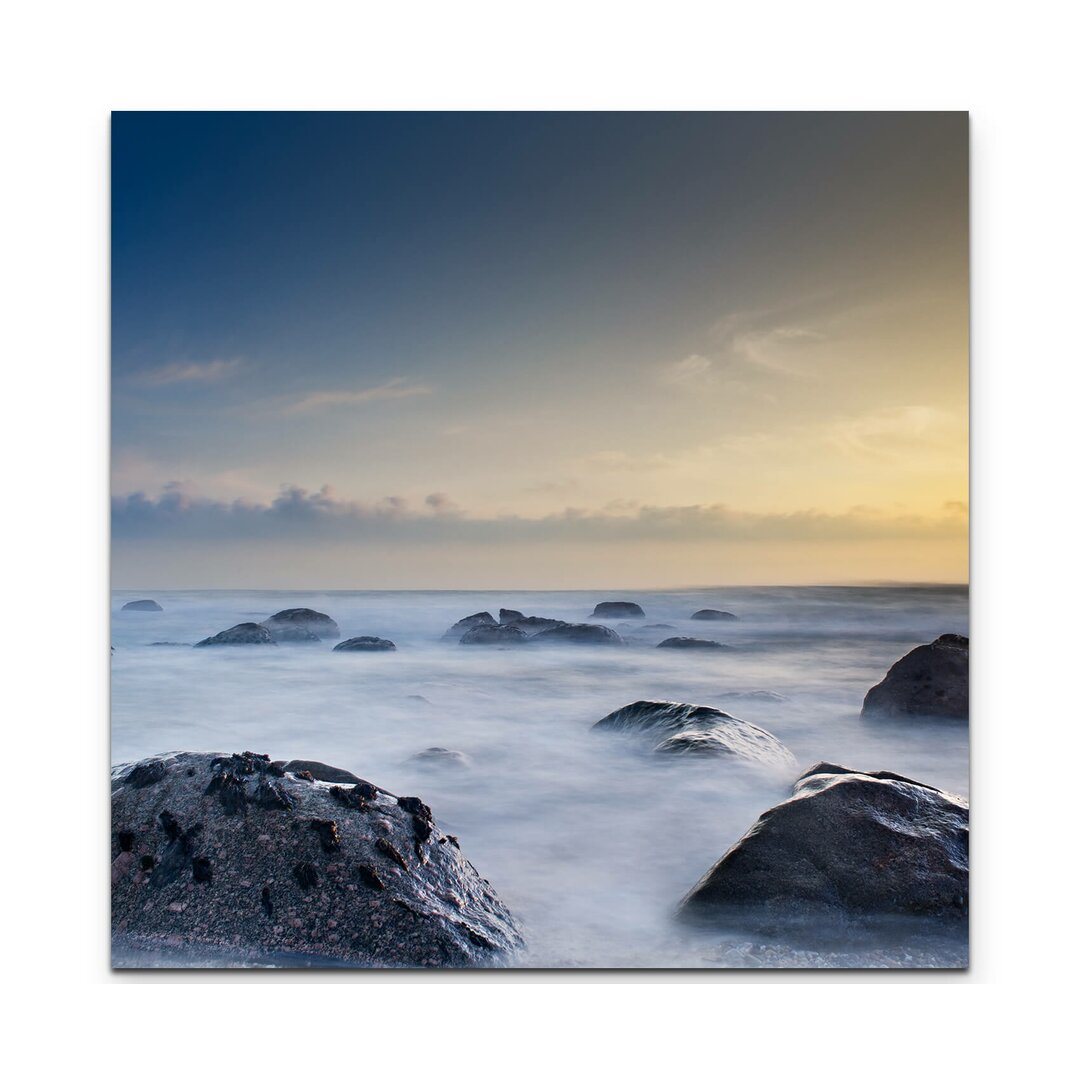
(303, 618)
(931, 680)
(678, 728)
(481, 618)
(235, 856)
(617, 609)
(494, 634)
(577, 634)
(142, 605)
(853, 843)
(712, 615)
(365, 643)
(245, 633)
(690, 643)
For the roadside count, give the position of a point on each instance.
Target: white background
(65, 66)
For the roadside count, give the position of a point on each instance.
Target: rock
(753, 695)
(690, 643)
(533, 624)
(481, 618)
(856, 843)
(295, 635)
(303, 618)
(245, 633)
(680, 728)
(440, 756)
(395, 890)
(617, 609)
(712, 615)
(142, 605)
(317, 770)
(365, 644)
(577, 634)
(509, 615)
(169, 645)
(931, 680)
(494, 634)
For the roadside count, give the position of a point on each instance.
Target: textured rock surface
(294, 635)
(679, 728)
(577, 634)
(142, 605)
(494, 634)
(690, 643)
(365, 643)
(481, 618)
(617, 609)
(931, 680)
(303, 618)
(440, 756)
(233, 854)
(245, 633)
(318, 770)
(712, 615)
(856, 843)
(531, 624)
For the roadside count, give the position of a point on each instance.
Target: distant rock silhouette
(690, 643)
(245, 633)
(617, 609)
(365, 643)
(142, 605)
(481, 618)
(577, 634)
(494, 634)
(303, 618)
(712, 615)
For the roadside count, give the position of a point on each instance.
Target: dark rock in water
(383, 888)
(577, 634)
(617, 609)
(753, 695)
(680, 728)
(245, 633)
(931, 680)
(509, 615)
(303, 618)
(170, 644)
(365, 644)
(481, 618)
(494, 634)
(712, 615)
(690, 643)
(531, 624)
(319, 771)
(142, 605)
(648, 626)
(851, 842)
(294, 635)
(439, 755)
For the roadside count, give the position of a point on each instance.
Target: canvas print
(539, 540)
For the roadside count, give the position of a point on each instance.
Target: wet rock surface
(494, 634)
(712, 615)
(247, 633)
(680, 728)
(617, 609)
(481, 618)
(531, 624)
(294, 635)
(856, 844)
(318, 770)
(302, 618)
(577, 634)
(142, 605)
(365, 643)
(931, 680)
(690, 643)
(326, 874)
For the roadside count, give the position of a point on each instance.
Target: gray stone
(931, 680)
(365, 643)
(303, 618)
(245, 633)
(142, 605)
(577, 634)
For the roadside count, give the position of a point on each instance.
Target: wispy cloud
(211, 371)
(328, 399)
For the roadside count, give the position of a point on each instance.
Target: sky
(538, 350)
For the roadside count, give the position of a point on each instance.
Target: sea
(588, 837)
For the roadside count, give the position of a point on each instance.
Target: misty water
(586, 836)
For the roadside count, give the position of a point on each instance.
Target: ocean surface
(588, 838)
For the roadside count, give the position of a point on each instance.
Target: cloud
(211, 371)
(690, 369)
(892, 432)
(177, 514)
(324, 399)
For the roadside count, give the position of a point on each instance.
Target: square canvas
(539, 540)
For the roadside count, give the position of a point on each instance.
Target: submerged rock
(680, 728)
(440, 756)
(577, 634)
(481, 618)
(142, 605)
(753, 695)
(296, 635)
(712, 615)
(931, 680)
(316, 875)
(531, 624)
(365, 643)
(509, 615)
(245, 633)
(617, 609)
(303, 618)
(690, 643)
(494, 634)
(856, 843)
